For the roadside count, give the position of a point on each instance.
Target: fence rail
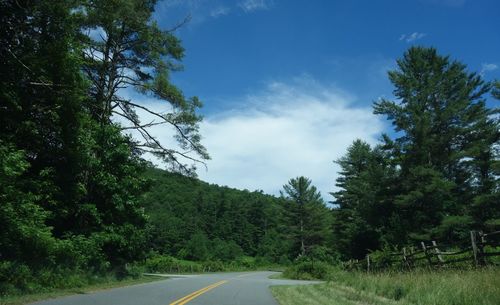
(432, 255)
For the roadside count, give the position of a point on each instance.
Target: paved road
(242, 288)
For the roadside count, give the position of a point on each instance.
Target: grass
(107, 284)
(447, 287)
(277, 276)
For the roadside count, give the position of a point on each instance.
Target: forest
(78, 197)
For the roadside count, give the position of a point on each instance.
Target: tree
(364, 201)
(75, 199)
(443, 145)
(197, 248)
(125, 48)
(486, 171)
(42, 92)
(308, 214)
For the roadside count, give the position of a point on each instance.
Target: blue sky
(287, 85)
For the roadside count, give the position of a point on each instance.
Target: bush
(168, 264)
(247, 262)
(213, 266)
(309, 270)
(13, 277)
(225, 250)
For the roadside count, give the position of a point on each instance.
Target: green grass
(277, 276)
(107, 283)
(448, 287)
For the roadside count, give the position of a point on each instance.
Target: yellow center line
(197, 293)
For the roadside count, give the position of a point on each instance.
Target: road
(241, 288)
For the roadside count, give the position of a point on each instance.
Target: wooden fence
(430, 254)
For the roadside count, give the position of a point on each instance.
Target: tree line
(194, 220)
(436, 175)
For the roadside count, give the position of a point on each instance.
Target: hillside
(196, 220)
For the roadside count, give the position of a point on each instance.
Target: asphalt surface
(239, 288)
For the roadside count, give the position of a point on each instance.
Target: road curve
(238, 288)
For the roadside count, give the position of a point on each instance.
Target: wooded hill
(194, 220)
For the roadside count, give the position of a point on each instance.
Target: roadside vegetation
(81, 286)
(420, 287)
(168, 264)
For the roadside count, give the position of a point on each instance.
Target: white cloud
(286, 130)
(97, 34)
(488, 67)
(253, 5)
(199, 11)
(220, 11)
(412, 37)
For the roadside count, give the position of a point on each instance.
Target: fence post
(405, 262)
(411, 258)
(480, 248)
(474, 246)
(438, 253)
(426, 254)
(368, 263)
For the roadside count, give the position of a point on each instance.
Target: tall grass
(445, 287)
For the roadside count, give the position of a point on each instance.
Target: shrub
(168, 264)
(13, 277)
(309, 270)
(213, 266)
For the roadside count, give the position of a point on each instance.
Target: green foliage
(438, 177)
(309, 270)
(446, 288)
(73, 187)
(225, 251)
(132, 51)
(308, 216)
(367, 186)
(169, 264)
(69, 179)
(197, 247)
(422, 287)
(195, 220)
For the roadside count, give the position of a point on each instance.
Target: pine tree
(443, 137)
(308, 215)
(364, 202)
(125, 48)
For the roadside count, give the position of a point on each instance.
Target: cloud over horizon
(287, 129)
(487, 67)
(253, 5)
(219, 11)
(412, 37)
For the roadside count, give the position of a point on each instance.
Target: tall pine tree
(308, 215)
(444, 142)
